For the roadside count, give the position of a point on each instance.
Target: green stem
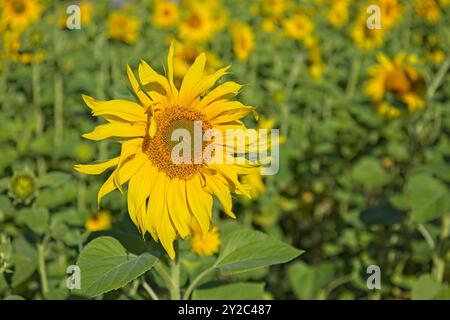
(175, 271)
(354, 75)
(437, 80)
(196, 281)
(39, 125)
(149, 290)
(159, 268)
(58, 111)
(41, 267)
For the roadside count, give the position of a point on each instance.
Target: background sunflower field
(364, 120)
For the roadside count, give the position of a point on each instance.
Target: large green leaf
(24, 260)
(306, 281)
(428, 197)
(246, 249)
(36, 219)
(106, 265)
(425, 288)
(232, 291)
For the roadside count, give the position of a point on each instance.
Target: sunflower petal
(122, 109)
(189, 86)
(200, 203)
(128, 130)
(220, 190)
(96, 168)
(178, 207)
(143, 98)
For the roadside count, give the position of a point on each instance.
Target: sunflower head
(123, 27)
(298, 27)
(395, 85)
(364, 37)
(23, 186)
(165, 14)
(205, 244)
(243, 40)
(20, 14)
(169, 188)
(99, 221)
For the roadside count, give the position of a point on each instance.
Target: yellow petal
(231, 175)
(226, 111)
(226, 90)
(130, 150)
(188, 89)
(156, 203)
(122, 109)
(96, 168)
(152, 80)
(200, 203)
(139, 189)
(174, 96)
(220, 190)
(178, 206)
(143, 98)
(130, 129)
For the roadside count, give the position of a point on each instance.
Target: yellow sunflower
(338, 13)
(165, 14)
(198, 26)
(19, 14)
(391, 12)
(395, 83)
(205, 244)
(165, 195)
(298, 27)
(364, 37)
(428, 9)
(99, 221)
(243, 40)
(123, 27)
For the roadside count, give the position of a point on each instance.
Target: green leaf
(24, 260)
(306, 281)
(425, 288)
(369, 172)
(35, 219)
(246, 249)
(233, 291)
(106, 265)
(428, 197)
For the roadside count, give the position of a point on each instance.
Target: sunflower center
(19, 7)
(194, 21)
(176, 126)
(398, 82)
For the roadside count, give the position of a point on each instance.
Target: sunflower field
(90, 92)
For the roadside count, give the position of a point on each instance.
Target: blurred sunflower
(434, 51)
(428, 9)
(99, 221)
(338, 13)
(165, 14)
(243, 40)
(20, 14)
(395, 83)
(298, 27)
(205, 244)
(274, 8)
(123, 27)
(364, 37)
(255, 180)
(164, 195)
(198, 25)
(391, 12)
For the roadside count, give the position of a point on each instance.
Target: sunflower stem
(149, 290)
(159, 268)
(41, 267)
(438, 79)
(175, 272)
(36, 89)
(196, 281)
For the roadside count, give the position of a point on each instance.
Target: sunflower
(394, 84)
(165, 14)
(428, 9)
(123, 27)
(243, 40)
(198, 26)
(20, 14)
(164, 195)
(298, 27)
(99, 221)
(205, 244)
(338, 13)
(364, 37)
(391, 12)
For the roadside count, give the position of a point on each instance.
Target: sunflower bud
(23, 186)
